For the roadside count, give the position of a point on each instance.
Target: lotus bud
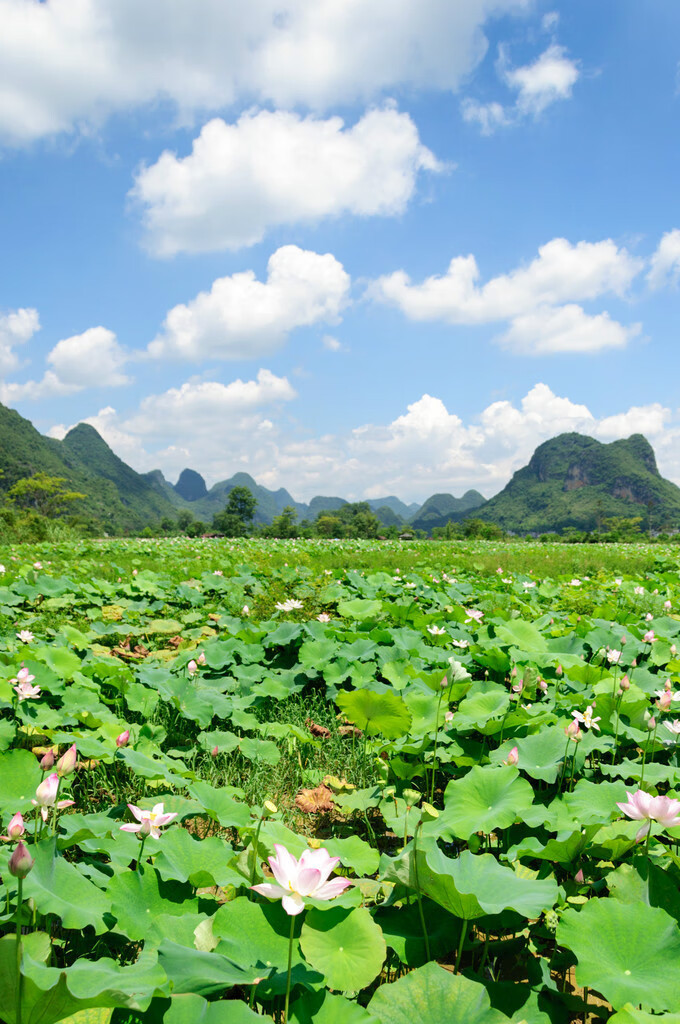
(668, 685)
(123, 738)
(623, 641)
(674, 650)
(389, 792)
(245, 610)
(448, 717)
(559, 670)
(201, 658)
(21, 862)
(651, 724)
(513, 757)
(215, 751)
(578, 877)
(664, 701)
(192, 667)
(67, 762)
(633, 663)
(573, 730)
(514, 671)
(16, 827)
(543, 685)
(47, 761)
(625, 683)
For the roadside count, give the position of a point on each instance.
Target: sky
(351, 247)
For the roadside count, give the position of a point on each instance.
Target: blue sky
(355, 248)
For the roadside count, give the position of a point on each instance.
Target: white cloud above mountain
(273, 168)
(66, 65)
(243, 318)
(17, 326)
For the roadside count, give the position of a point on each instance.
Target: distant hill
(120, 499)
(443, 508)
(191, 485)
(576, 481)
(402, 511)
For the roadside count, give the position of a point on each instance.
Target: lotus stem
(20, 902)
(418, 894)
(140, 869)
(459, 955)
(290, 967)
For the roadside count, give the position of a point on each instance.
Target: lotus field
(341, 782)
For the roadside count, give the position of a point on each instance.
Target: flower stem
(257, 837)
(290, 966)
(20, 902)
(459, 954)
(418, 895)
(436, 737)
(140, 869)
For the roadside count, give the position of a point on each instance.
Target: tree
(283, 525)
(237, 514)
(43, 494)
(184, 519)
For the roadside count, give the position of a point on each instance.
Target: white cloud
(70, 63)
(331, 343)
(92, 359)
(548, 330)
(243, 318)
(426, 450)
(665, 263)
(530, 296)
(272, 168)
(16, 328)
(537, 86)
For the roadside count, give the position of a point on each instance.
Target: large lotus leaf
(646, 883)
(592, 802)
(359, 609)
(62, 661)
(630, 953)
(220, 805)
(403, 931)
(95, 1015)
(138, 897)
(469, 886)
(203, 863)
(629, 1014)
(540, 754)
(354, 853)
(483, 800)
(200, 972)
(346, 946)
(326, 1008)
(482, 712)
(376, 713)
(20, 775)
(432, 995)
(50, 994)
(59, 888)
(260, 750)
(189, 1008)
(257, 935)
(523, 635)
(563, 849)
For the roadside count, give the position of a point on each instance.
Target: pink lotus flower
(21, 862)
(150, 822)
(573, 731)
(67, 762)
(324, 617)
(513, 757)
(297, 879)
(25, 691)
(474, 613)
(448, 717)
(46, 796)
(649, 637)
(15, 829)
(192, 667)
(123, 738)
(641, 806)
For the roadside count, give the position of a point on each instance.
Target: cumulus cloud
(243, 318)
(537, 86)
(530, 296)
(91, 359)
(16, 328)
(68, 64)
(429, 448)
(665, 263)
(272, 168)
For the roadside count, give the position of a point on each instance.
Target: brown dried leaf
(313, 800)
(174, 641)
(316, 729)
(349, 730)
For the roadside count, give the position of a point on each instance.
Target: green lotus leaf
(483, 800)
(522, 635)
(189, 1008)
(376, 713)
(21, 775)
(326, 1008)
(629, 1014)
(220, 805)
(59, 888)
(346, 946)
(434, 996)
(646, 883)
(203, 863)
(482, 712)
(403, 931)
(629, 953)
(540, 754)
(354, 853)
(137, 897)
(359, 609)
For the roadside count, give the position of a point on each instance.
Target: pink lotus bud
(201, 658)
(67, 762)
(674, 650)
(668, 685)
(123, 739)
(648, 617)
(649, 637)
(578, 877)
(46, 793)
(623, 640)
(633, 663)
(573, 731)
(215, 751)
(651, 724)
(664, 701)
(513, 757)
(625, 683)
(21, 862)
(543, 685)
(514, 671)
(667, 605)
(518, 687)
(47, 761)
(448, 717)
(559, 670)
(444, 683)
(16, 828)
(192, 667)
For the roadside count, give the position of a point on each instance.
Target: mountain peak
(191, 485)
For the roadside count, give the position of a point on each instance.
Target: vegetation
(517, 824)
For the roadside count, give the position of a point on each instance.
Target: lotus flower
(513, 757)
(25, 636)
(67, 762)
(436, 630)
(150, 822)
(586, 718)
(297, 879)
(46, 796)
(642, 806)
(288, 606)
(25, 691)
(123, 738)
(21, 862)
(192, 667)
(15, 829)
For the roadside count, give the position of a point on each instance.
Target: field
(461, 758)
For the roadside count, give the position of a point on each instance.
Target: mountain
(443, 508)
(117, 497)
(402, 511)
(191, 485)
(576, 481)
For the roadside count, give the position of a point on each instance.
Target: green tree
(237, 514)
(184, 519)
(283, 525)
(43, 494)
